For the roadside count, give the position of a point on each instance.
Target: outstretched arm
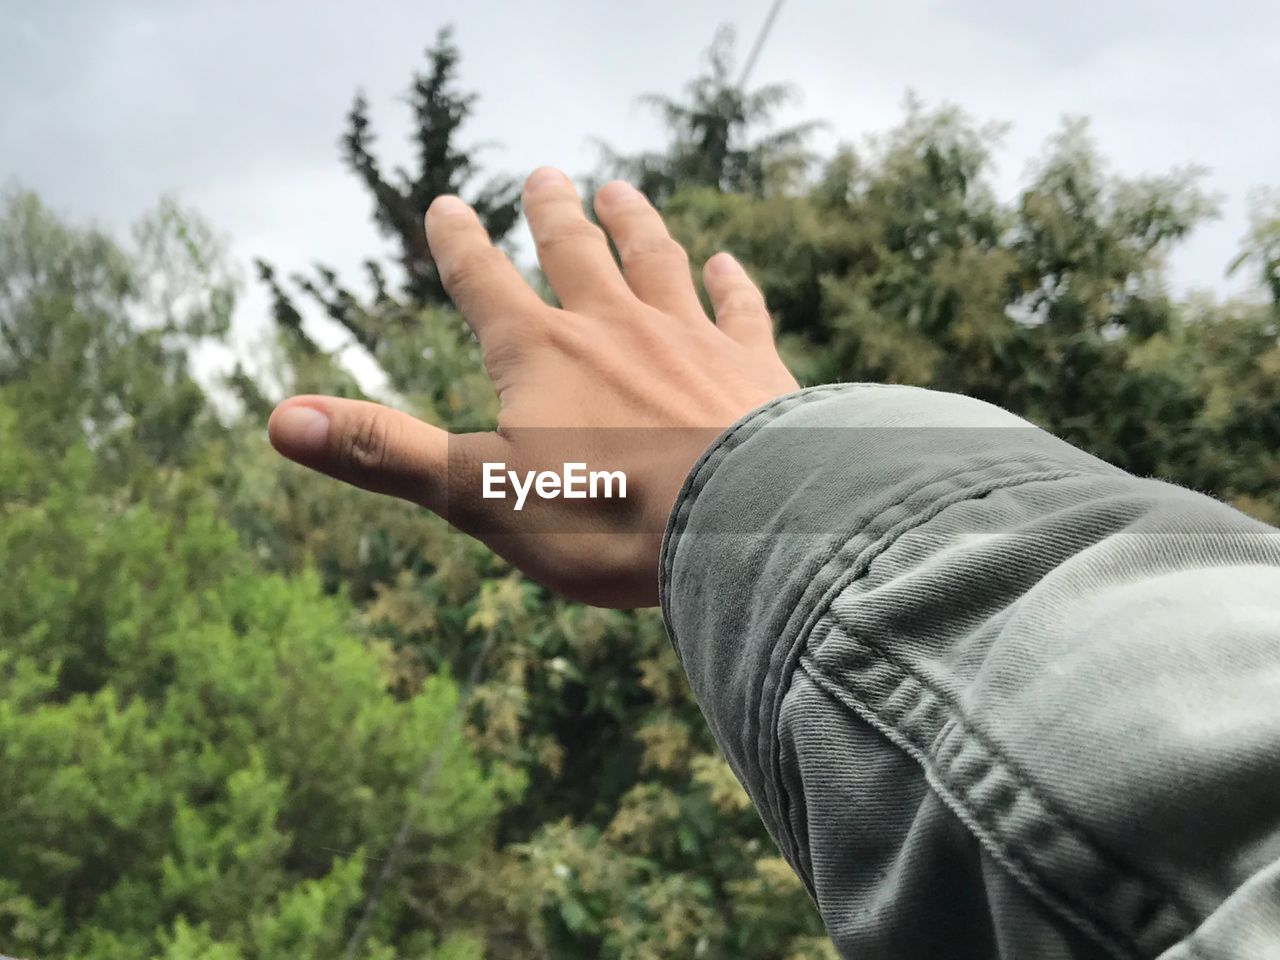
(992, 697)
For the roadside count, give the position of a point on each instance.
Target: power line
(755, 49)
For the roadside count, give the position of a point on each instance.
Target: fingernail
(301, 430)
(619, 192)
(447, 205)
(544, 177)
(723, 264)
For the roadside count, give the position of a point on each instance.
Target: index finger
(488, 289)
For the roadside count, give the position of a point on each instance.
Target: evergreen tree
(443, 166)
(717, 136)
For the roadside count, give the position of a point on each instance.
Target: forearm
(991, 695)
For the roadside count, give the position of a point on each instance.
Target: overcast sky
(236, 107)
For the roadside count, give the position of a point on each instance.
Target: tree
(198, 759)
(439, 112)
(1262, 246)
(898, 264)
(69, 302)
(713, 136)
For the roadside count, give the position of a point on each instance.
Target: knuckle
(501, 357)
(749, 292)
(570, 233)
(647, 249)
(742, 302)
(737, 301)
(366, 444)
(538, 327)
(467, 269)
(566, 334)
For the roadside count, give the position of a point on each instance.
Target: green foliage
(439, 111)
(195, 757)
(94, 339)
(713, 136)
(1263, 247)
(230, 721)
(898, 264)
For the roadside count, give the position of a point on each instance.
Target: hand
(629, 349)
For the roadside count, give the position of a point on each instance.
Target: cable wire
(759, 44)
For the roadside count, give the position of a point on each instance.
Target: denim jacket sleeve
(992, 697)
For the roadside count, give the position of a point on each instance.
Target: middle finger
(572, 250)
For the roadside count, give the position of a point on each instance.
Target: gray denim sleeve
(991, 696)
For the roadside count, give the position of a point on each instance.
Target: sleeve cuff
(776, 516)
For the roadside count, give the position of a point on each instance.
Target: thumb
(365, 444)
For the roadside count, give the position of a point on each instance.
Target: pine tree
(400, 200)
(717, 136)
(440, 111)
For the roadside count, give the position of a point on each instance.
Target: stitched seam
(968, 725)
(858, 567)
(861, 565)
(955, 795)
(697, 479)
(703, 471)
(700, 473)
